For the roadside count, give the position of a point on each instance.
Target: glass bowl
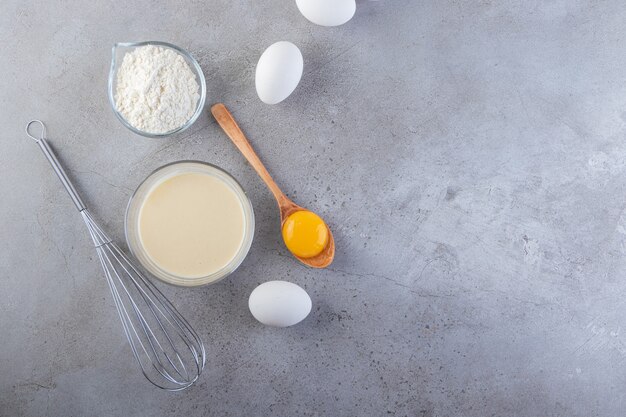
(132, 221)
(118, 52)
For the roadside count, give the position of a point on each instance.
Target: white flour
(156, 90)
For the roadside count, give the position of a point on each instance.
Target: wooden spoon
(285, 205)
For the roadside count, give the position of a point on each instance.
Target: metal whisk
(168, 350)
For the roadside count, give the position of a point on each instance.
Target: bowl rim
(178, 281)
(186, 54)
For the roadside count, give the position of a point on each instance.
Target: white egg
(327, 12)
(278, 72)
(279, 303)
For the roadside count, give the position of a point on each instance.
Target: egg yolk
(305, 234)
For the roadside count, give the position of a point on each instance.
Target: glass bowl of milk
(189, 223)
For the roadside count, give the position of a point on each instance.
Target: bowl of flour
(156, 89)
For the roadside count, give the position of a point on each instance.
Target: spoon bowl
(326, 256)
(285, 205)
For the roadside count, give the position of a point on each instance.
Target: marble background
(470, 157)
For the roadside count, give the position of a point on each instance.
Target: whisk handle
(56, 165)
(58, 169)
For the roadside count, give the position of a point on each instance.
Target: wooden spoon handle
(228, 124)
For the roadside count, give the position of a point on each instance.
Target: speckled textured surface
(469, 156)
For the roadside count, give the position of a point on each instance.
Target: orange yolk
(305, 234)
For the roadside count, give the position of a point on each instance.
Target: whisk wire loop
(161, 350)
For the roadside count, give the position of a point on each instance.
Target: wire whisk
(168, 350)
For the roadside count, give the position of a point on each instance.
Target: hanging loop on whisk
(42, 135)
(42, 142)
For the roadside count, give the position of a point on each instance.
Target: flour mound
(156, 90)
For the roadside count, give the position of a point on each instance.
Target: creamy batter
(191, 225)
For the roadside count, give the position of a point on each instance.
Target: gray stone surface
(470, 158)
